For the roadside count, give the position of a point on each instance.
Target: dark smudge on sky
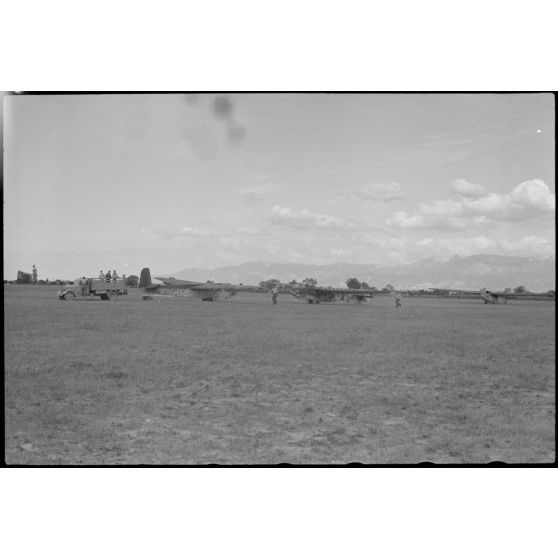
(223, 107)
(236, 132)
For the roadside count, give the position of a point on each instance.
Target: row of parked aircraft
(492, 297)
(312, 294)
(222, 291)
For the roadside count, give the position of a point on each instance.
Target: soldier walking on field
(274, 293)
(397, 301)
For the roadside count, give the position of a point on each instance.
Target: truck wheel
(112, 295)
(69, 296)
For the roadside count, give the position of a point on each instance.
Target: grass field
(179, 381)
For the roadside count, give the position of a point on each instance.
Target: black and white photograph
(279, 278)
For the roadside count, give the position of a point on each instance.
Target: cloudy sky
(174, 181)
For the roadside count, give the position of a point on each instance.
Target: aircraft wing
(210, 287)
(519, 296)
(178, 283)
(201, 286)
(286, 288)
(478, 293)
(485, 293)
(312, 293)
(152, 288)
(358, 292)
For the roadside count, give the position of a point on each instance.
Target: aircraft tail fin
(145, 278)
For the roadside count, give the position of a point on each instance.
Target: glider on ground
(208, 292)
(314, 294)
(493, 297)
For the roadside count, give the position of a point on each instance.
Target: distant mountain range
(472, 272)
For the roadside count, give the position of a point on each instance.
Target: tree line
(24, 278)
(352, 283)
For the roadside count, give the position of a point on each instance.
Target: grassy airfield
(179, 381)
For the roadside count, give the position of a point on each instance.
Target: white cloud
(229, 242)
(459, 246)
(526, 246)
(338, 252)
(252, 197)
(528, 200)
(530, 245)
(184, 232)
(534, 194)
(467, 189)
(375, 192)
(256, 192)
(250, 231)
(307, 220)
(403, 220)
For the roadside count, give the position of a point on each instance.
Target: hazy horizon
(171, 181)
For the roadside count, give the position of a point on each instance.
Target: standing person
(274, 293)
(397, 300)
(83, 282)
(107, 276)
(114, 276)
(101, 274)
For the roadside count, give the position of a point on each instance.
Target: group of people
(108, 276)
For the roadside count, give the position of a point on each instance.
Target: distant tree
(310, 282)
(520, 290)
(353, 283)
(210, 281)
(145, 278)
(133, 280)
(388, 288)
(508, 290)
(364, 285)
(269, 284)
(23, 278)
(293, 282)
(440, 292)
(551, 293)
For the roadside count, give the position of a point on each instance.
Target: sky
(97, 182)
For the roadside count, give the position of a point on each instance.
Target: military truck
(85, 287)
